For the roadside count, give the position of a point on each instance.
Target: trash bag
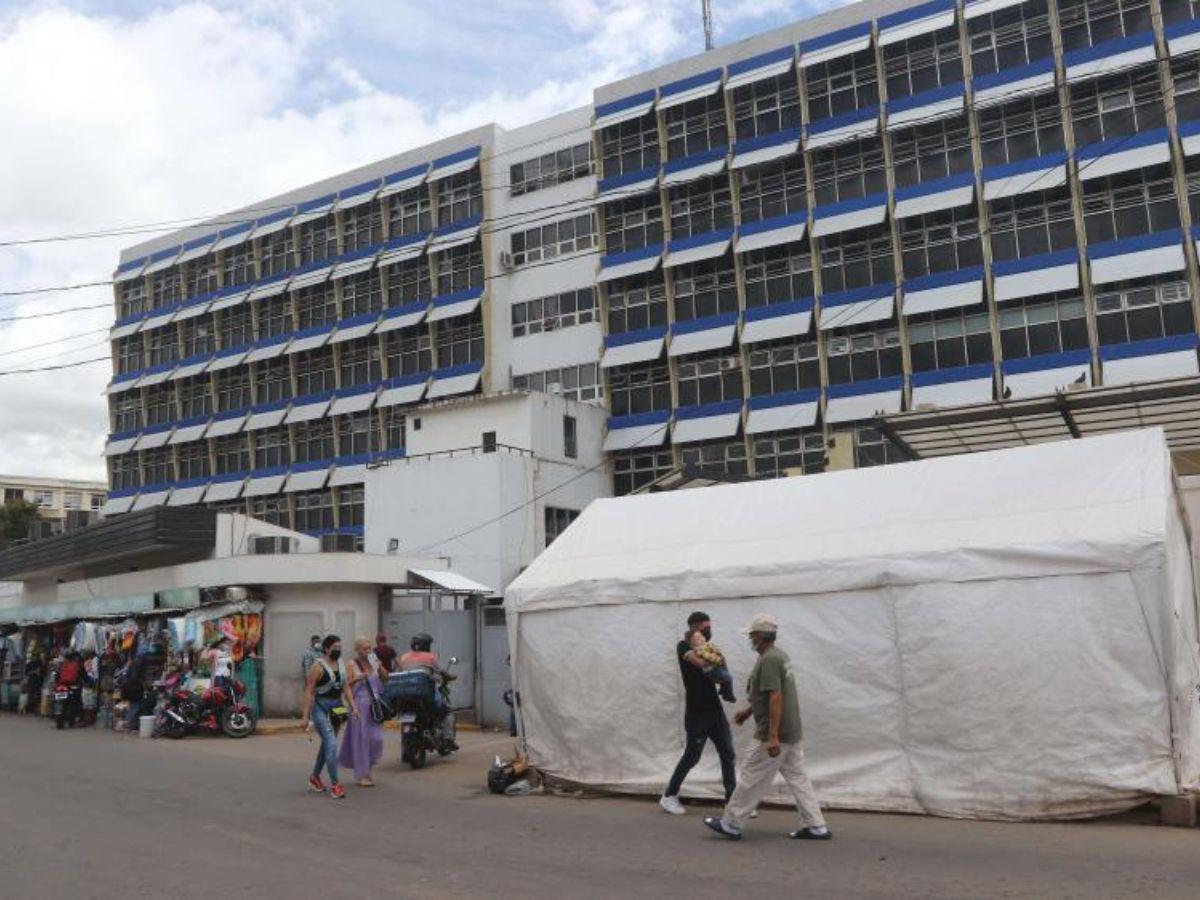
(506, 777)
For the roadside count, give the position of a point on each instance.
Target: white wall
(235, 531)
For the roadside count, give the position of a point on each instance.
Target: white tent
(1000, 635)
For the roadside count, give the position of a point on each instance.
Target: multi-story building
(752, 258)
(62, 502)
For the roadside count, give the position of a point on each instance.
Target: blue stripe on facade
(132, 264)
(406, 174)
(1046, 361)
(1119, 144)
(158, 429)
(774, 139)
(1036, 263)
(231, 414)
(929, 188)
(198, 300)
(221, 293)
(858, 295)
(1017, 73)
(461, 225)
(657, 417)
(198, 358)
(862, 388)
(712, 76)
(160, 487)
(617, 181)
(928, 98)
(266, 220)
(456, 371)
(361, 319)
(192, 421)
(364, 188)
(124, 435)
(313, 399)
(693, 162)
(124, 492)
(1190, 128)
(776, 310)
(628, 256)
(396, 453)
(1025, 166)
(357, 459)
(773, 224)
(129, 320)
(845, 120)
(407, 380)
(406, 310)
(976, 372)
(762, 60)
(269, 472)
(355, 254)
(458, 296)
(358, 389)
(841, 36)
(1153, 347)
(1135, 244)
(641, 336)
(708, 410)
(274, 406)
(161, 367)
(1108, 48)
(272, 341)
(787, 398)
(312, 332)
(943, 279)
(310, 205)
(456, 157)
(701, 240)
(406, 240)
(1181, 29)
(311, 466)
(615, 106)
(915, 14)
(199, 242)
(873, 201)
(230, 476)
(169, 253)
(708, 323)
(191, 483)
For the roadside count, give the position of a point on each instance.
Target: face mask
(335, 654)
(707, 632)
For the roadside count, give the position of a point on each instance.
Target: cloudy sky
(131, 115)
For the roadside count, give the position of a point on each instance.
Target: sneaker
(754, 814)
(338, 792)
(672, 805)
(315, 782)
(811, 833)
(718, 824)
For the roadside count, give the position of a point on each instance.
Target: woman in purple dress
(362, 744)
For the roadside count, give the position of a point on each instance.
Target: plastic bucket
(145, 726)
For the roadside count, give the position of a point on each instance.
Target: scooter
(216, 710)
(66, 696)
(422, 728)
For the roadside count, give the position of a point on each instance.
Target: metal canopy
(1173, 404)
(445, 580)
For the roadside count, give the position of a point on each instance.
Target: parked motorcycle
(67, 697)
(215, 710)
(422, 728)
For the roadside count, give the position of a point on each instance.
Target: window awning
(226, 423)
(1150, 360)
(1124, 154)
(760, 68)
(229, 297)
(839, 129)
(712, 421)
(641, 430)
(355, 327)
(693, 168)
(264, 482)
(125, 328)
(973, 8)
(927, 106)
(1189, 136)
(354, 400)
(151, 496)
(311, 210)
(156, 375)
(1014, 83)
(633, 347)
(1109, 57)
(354, 263)
(189, 430)
(122, 383)
(631, 262)
(159, 317)
(1150, 254)
(267, 415)
(952, 387)
(307, 477)
(450, 382)
(628, 184)
(1046, 373)
(623, 110)
(228, 358)
(934, 196)
(783, 412)
(310, 275)
(918, 20)
(272, 287)
(771, 232)
(269, 348)
(117, 503)
(451, 306)
(120, 443)
(129, 271)
(228, 238)
(153, 438)
(162, 260)
(404, 180)
(310, 339)
(447, 581)
(454, 235)
(454, 163)
(225, 487)
(1035, 275)
(403, 316)
(685, 90)
(307, 408)
(701, 335)
(349, 470)
(1182, 37)
(1039, 174)
(765, 148)
(869, 304)
(403, 390)
(945, 290)
(195, 306)
(698, 247)
(350, 197)
(188, 492)
(842, 42)
(403, 248)
(860, 212)
(863, 400)
(194, 249)
(777, 320)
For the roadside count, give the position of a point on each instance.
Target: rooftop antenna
(706, 12)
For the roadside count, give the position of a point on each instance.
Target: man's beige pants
(756, 777)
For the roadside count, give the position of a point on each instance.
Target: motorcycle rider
(421, 656)
(70, 677)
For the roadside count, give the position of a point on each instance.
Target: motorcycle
(422, 728)
(66, 696)
(215, 710)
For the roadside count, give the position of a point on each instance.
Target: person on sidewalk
(385, 653)
(132, 689)
(324, 692)
(776, 711)
(310, 657)
(362, 743)
(703, 718)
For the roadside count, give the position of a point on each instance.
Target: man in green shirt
(776, 711)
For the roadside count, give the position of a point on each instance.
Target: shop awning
(777, 320)
(783, 412)
(447, 581)
(934, 196)
(702, 335)
(863, 400)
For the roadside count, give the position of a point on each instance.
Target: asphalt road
(94, 814)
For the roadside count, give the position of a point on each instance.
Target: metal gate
(451, 622)
(495, 673)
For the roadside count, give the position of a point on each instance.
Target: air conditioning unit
(550, 324)
(270, 544)
(555, 388)
(338, 543)
(730, 362)
(506, 261)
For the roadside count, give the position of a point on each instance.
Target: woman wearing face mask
(324, 691)
(362, 744)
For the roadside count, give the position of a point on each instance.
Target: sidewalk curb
(296, 728)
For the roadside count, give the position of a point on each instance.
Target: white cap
(762, 622)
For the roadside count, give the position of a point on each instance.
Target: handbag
(381, 710)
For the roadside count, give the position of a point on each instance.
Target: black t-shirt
(701, 694)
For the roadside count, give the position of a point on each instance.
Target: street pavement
(93, 814)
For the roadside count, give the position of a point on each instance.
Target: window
(312, 511)
(1130, 204)
(709, 379)
(630, 146)
(459, 197)
(96, 502)
(1185, 73)
(361, 363)
(314, 372)
(1036, 326)
(1023, 129)
(774, 189)
(166, 288)
(201, 276)
(43, 498)
(316, 305)
(361, 294)
(787, 453)
(949, 339)
(570, 437)
(1085, 23)
(636, 303)
(873, 448)
(706, 288)
(460, 268)
(922, 63)
(550, 169)
(273, 510)
(1117, 106)
(127, 412)
(271, 448)
(275, 253)
(637, 468)
(192, 459)
(272, 380)
(128, 354)
(1144, 309)
(864, 353)
(197, 335)
(554, 239)
(700, 207)
(1192, 175)
(394, 428)
(778, 274)
(554, 312)
(123, 472)
(362, 227)
(1179, 10)
(942, 241)
(766, 106)
(235, 327)
(237, 265)
(696, 126)
(408, 282)
(788, 364)
(410, 212)
(557, 520)
(1010, 37)
(856, 259)
(274, 316)
(460, 341)
(231, 454)
(358, 434)
(133, 298)
(1031, 224)
(318, 240)
(931, 151)
(158, 466)
(160, 406)
(351, 507)
(727, 457)
(640, 388)
(848, 171)
(409, 351)
(194, 397)
(632, 223)
(233, 390)
(842, 85)
(576, 382)
(312, 441)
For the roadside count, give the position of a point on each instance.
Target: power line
(57, 312)
(62, 340)
(82, 362)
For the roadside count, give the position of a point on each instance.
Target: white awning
(949, 193)
(1037, 382)
(234, 298)
(653, 434)
(1010, 85)
(771, 232)
(635, 352)
(188, 369)
(756, 152)
(264, 485)
(114, 506)
(231, 237)
(403, 317)
(1033, 277)
(760, 68)
(353, 403)
(840, 129)
(158, 318)
(313, 210)
(354, 332)
(343, 475)
(271, 288)
(946, 392)
(403, 394)
(621, 186)
(404, 181)
(220, 491)
(1105, 59)
(192, 309)
(162, 262)
(705, 428)
(451, 239)
(1035, 175)
(1182, 37)
(310, 341)
(228, 360)
(119, 446)
(186, 496)
(148, 500)
(950, 291)
(873, 307)
(268, 351)
(226, 426)
(405, 251)
(134, 271)
(447, 581)
(769, 323)
(454, 163)
(915, 21)
(843, 42)
(357, 196)
(1123, 155)
(973, 8)
(453, 385)
(692, 170)
(125, 384)
(685, 251)
(799, 411)
(307, 480)
(186, 433)
(349, 267)
(845, 406)
(152, 440)
(921, 109)
(306, 411)
(149, 379)
(717, 338)
(619, 111)
(688, 89)
(1136, 258)
(311, 277)
(1148, 366)
(620, 265)
(268, 418)
(839, 217)
(125, 329)
(452, 309)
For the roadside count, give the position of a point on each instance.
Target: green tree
(17, 519)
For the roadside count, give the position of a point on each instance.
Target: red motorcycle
(215, 710)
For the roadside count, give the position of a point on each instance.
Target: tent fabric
(1007, 635)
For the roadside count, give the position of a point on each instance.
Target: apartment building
(61, 502)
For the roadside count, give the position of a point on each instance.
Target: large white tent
(1000, 635)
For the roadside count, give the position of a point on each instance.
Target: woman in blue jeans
(325, 689)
